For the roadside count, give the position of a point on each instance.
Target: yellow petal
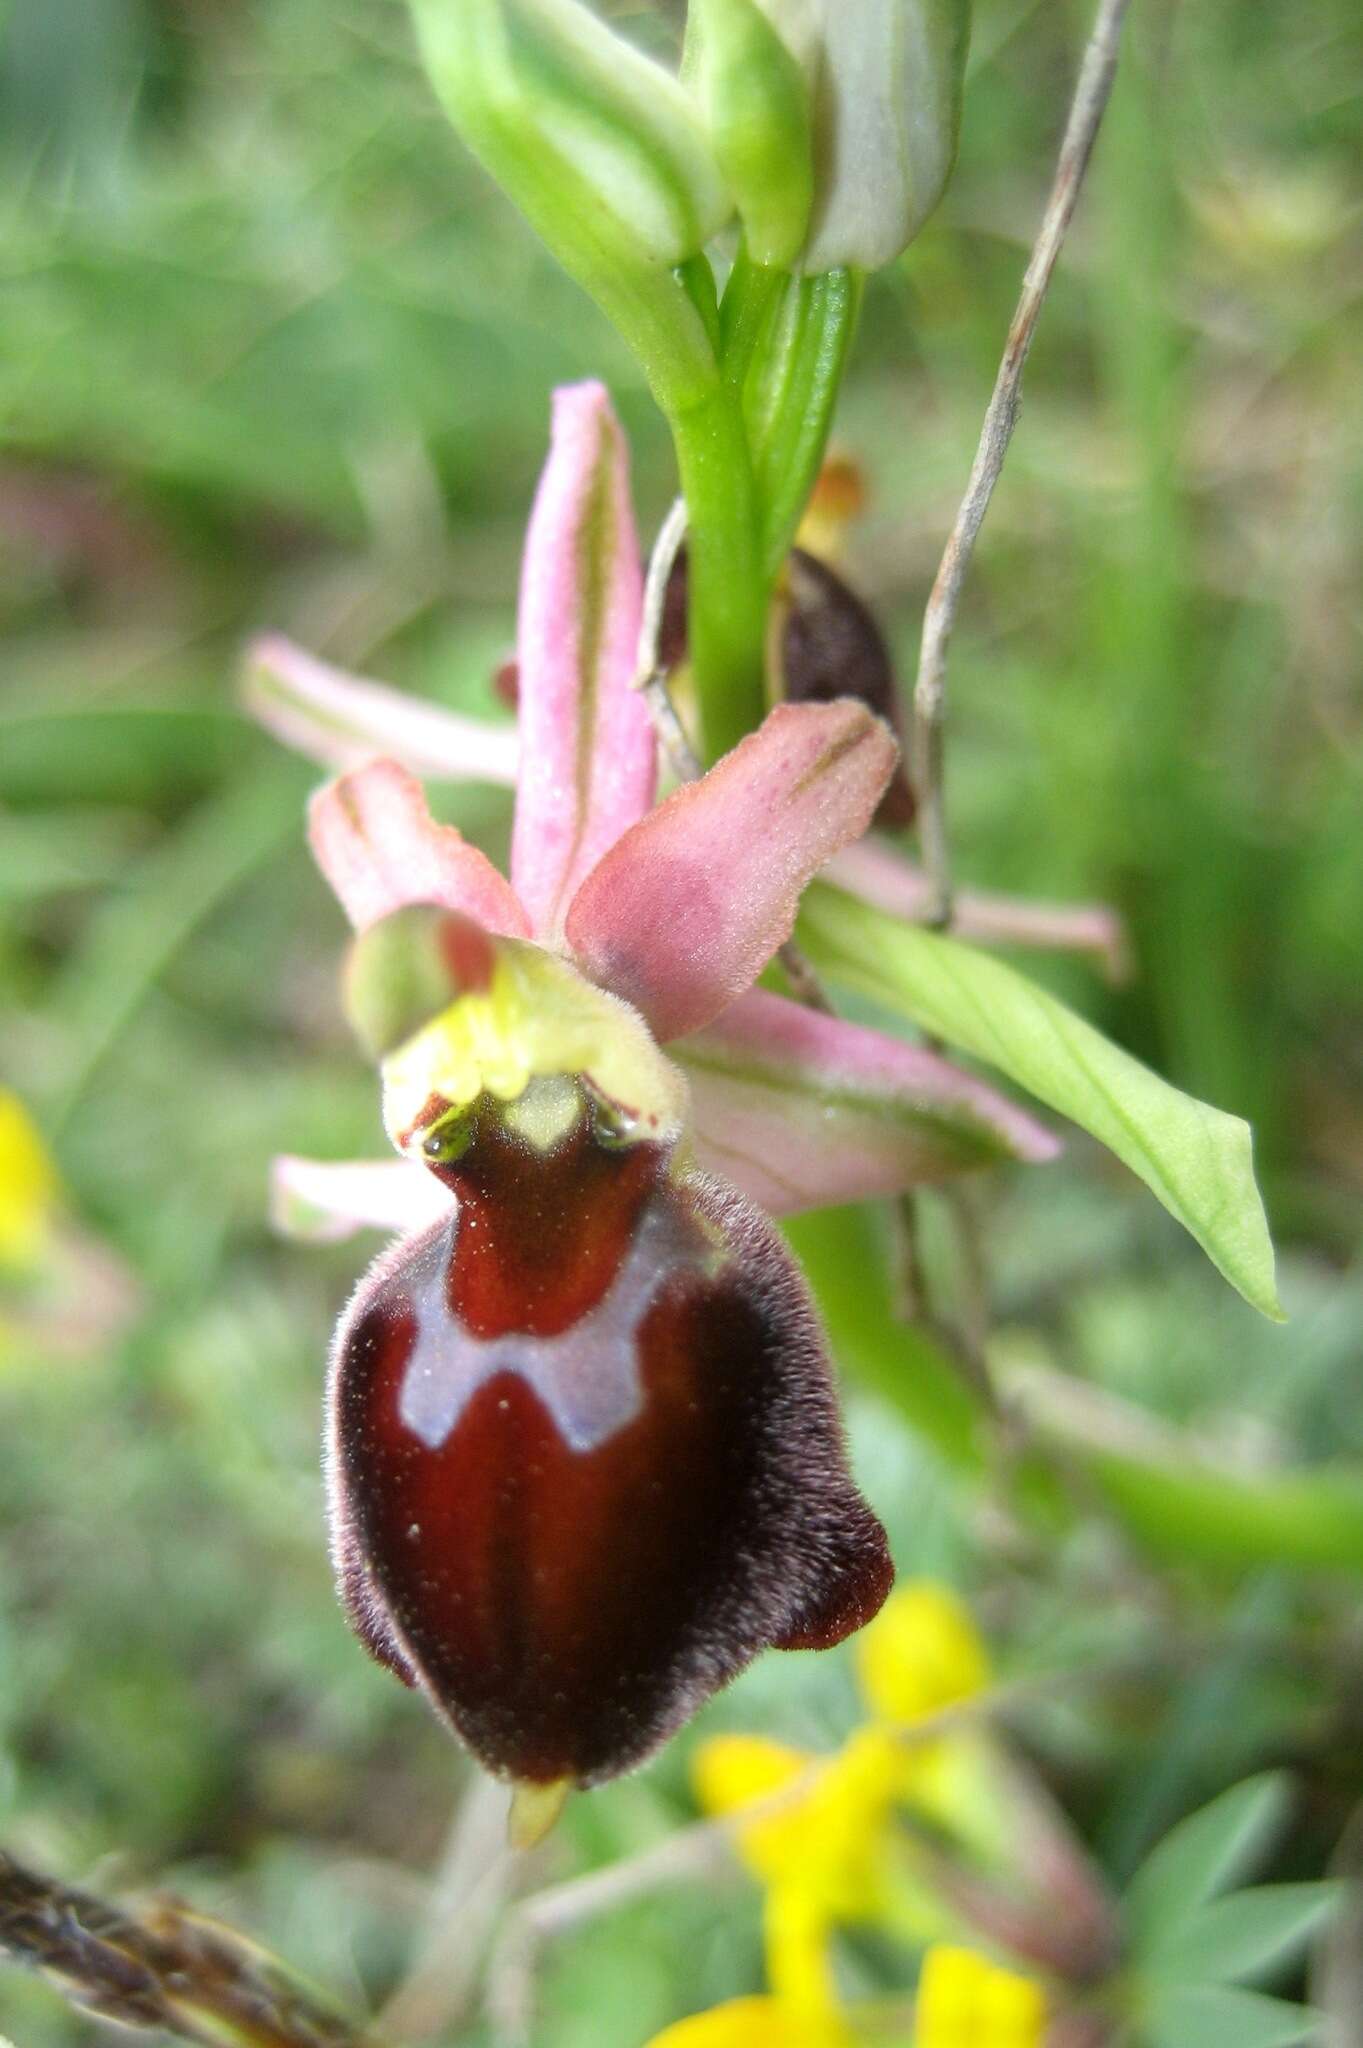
(921, 1653)
(798, 1935)
(731, 1771)
(734, 1771)
(28, 1185)
(966, 2001)
(751, 2023)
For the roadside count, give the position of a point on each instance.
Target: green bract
(595, 143)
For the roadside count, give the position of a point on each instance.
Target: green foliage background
(272, 352)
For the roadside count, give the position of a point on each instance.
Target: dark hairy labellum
(831, 646)
(586, 1458)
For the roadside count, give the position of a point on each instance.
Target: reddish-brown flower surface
(586, 1457)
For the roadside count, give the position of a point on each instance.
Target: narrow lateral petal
(882, 877)
(588, 753)
(380, 849)
(342, 720)
(800, 1110)
(685, 911)
(321, 1201)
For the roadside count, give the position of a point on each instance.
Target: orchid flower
(585, 1455)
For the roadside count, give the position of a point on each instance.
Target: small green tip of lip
(534, 1811)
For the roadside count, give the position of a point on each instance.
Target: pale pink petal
(883, 877)
(588, 752)
(342, 720)
(322, 1201)
(380, 849)
(685, 911)
(801, 1110)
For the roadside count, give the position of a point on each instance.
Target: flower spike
(585, 1458)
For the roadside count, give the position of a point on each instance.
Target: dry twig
(163, 1968)
(650, 673)
(1091, 94)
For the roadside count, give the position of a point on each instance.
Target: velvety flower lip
(570, 1540)
(585, 1453)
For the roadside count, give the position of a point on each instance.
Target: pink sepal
(687, 908)
(378, 846)
(321, 1201)
(882, 876)
(342, 720)
(588, 752)
(801, 1110)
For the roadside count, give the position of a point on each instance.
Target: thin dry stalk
(650, 672)
(163, 1968)
(1091, 96)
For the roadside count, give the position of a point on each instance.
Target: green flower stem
(729, 585)
(748, 456)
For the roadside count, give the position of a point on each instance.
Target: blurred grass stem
(1091, 93)
(468, 1893)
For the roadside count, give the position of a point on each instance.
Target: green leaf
(1246, 1935)
(1213, 2017)
(1196, 1159)
(1182, 1505)
(1203, 1855)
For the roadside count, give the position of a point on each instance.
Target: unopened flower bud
(885, 78)
(755, 97)
(597, 144)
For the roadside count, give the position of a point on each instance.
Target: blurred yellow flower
(752, 2023)
(965, 2001)
(825, 1832)
(823, 1842)
(28, 1186)
(921, 1654)
(828, 1851)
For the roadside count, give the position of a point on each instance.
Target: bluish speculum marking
(587, 1375)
